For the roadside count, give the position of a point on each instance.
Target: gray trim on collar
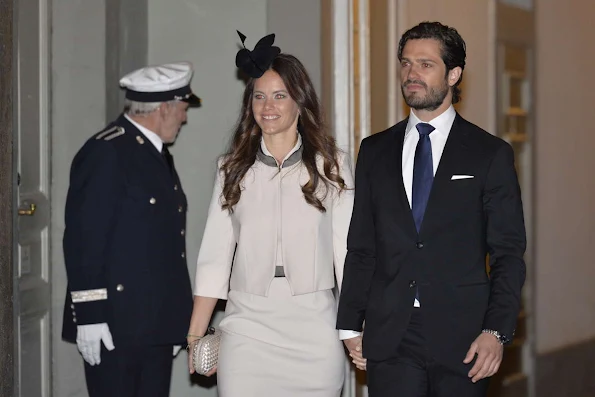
(271, 162)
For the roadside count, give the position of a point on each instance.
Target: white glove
(177, 349)
(88, 341)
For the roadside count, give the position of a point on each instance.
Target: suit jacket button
(72, 306)
(419, 244)
(412, 284)
(175, 187)
(74, 320)
(152, 200)
(182, 232)
(180, 208)
(119, 288)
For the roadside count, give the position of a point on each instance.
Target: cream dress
(280, 345)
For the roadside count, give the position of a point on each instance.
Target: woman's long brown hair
(316, 140)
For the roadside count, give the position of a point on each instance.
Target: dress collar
(293, 157)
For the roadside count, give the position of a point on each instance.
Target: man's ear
(164, 109)
(454, 75)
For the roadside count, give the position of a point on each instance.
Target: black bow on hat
(254, 63)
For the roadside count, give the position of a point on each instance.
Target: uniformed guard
(124, 243)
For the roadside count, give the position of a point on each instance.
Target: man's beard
(430, 102)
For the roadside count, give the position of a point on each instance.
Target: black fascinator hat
(254, 63)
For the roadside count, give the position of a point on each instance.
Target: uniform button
(419, 244)
(175, 187)
(152, 200)
(182, 232)
(73, 314)
(74, 320)
(183, 254)
(72, 306)
(180, 208)
(119, 288)
(412, 283)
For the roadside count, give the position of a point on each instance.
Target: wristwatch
(503, 339)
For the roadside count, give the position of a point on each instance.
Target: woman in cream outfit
(282, 203)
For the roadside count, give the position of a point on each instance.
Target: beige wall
(471, 19)
(296, 25)
(565, 186)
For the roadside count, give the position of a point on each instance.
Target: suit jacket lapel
(454, 153)
(396, 171)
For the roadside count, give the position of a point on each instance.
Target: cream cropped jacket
(273, 218)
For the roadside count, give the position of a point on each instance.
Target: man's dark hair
(453, 47)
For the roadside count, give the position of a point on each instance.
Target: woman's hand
(190, 364)
(211, 372)
(199, 323)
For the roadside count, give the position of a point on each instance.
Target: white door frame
(32, 361)
(343, 69)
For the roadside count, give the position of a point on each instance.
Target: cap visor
(193, 100)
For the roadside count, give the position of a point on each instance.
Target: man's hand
(354, 346)
(489, 356)
(88, 341)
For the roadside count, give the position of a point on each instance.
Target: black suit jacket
(125, 234)
(465, 219)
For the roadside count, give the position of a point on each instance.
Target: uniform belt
(279, 271)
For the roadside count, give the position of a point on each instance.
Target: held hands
(489, 356)
(354, 346)
(88, 341)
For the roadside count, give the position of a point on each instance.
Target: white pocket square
(457, 177)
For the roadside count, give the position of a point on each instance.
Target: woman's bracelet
(191, 342)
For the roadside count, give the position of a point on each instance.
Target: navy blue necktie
(423, 176)
(423, 173)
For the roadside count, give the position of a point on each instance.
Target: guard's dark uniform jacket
(124, 243)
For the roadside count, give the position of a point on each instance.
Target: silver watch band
(501, 338)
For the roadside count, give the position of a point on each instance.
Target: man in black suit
(129, 297)
(434, 196)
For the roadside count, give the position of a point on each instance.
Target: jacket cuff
(89, 306)
(504, 325)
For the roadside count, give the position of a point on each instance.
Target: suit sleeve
(213, 267)
(90, 211)
(506, 241)
(360, 261)
(342, 209)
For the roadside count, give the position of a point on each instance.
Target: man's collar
(150, 135)
(442, 123)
